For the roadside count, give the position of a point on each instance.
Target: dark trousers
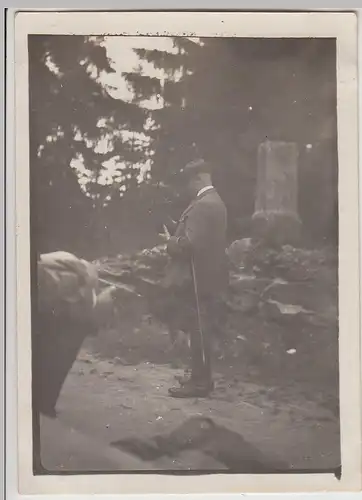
(185, 316)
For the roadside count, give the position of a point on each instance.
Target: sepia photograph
(184, 253)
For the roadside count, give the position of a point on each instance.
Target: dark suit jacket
(200, 236)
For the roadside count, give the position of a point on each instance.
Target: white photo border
(343, 27)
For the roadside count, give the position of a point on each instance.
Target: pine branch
(164, 60)
(144, 87)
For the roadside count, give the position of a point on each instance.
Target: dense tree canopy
(74, 121)
(223, 97)
(219, 98)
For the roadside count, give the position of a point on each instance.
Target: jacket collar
(204, 190)
(207, 191)
(201, 195)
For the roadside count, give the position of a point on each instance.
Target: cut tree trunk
(276, 219)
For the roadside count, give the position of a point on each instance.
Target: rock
(238, 251)
(253, 300)
(289, 309)
(309, 297)
(246, 302)
(241, 284)
(270, 310)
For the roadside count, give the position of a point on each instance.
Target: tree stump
(275, 219)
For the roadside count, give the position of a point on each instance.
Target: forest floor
(276, 380)
(124, 395)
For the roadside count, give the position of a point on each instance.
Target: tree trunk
(276, 219)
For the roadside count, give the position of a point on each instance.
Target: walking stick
(194, 279)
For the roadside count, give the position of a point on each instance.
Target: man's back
(210, 259)
(204, 223)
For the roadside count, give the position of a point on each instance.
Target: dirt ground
(118, 386)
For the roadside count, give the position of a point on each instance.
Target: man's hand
(178, 246)
(165, 236)
(172, 223)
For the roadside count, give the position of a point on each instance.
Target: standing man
(197, 273)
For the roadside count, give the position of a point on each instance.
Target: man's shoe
(183, 379)
(190, 390)
(187, 379)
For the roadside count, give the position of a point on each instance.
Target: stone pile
(281, 312)
(282, 285)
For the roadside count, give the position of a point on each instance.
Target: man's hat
(197, 167)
